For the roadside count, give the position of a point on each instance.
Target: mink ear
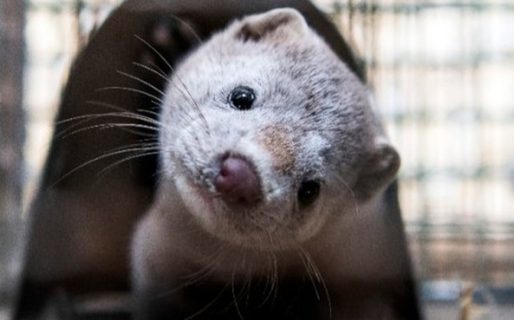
(378, 171)
(277, 23)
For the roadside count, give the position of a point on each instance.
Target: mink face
(273, 172)
(262, 129)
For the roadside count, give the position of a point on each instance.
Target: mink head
(267, 135)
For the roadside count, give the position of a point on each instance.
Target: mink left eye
(242, 98)
(308, 192)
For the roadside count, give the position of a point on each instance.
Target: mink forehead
(308, 65)
(288, 77)
(286, 55)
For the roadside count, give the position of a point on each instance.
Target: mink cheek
(278, 141)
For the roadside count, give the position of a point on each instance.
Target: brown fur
(81, 225)
(277, 141)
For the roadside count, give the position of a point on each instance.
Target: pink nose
(237, 181)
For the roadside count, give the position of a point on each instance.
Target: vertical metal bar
(11, 146)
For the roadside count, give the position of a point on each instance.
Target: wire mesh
(443, 77)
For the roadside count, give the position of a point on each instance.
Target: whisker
(93, 116)
(139, 144)
(274, 287)
(135, 90)
(319, 278)
(144, 82)
(236, 304)
(138, 115)
(352, 193)
(187, 95)
(193, 31)
(142, 145)
(309, 271)
(271, 279)
(156, 68)
(167, 80)
(135, 146)
(70, 130)
(157, 71)
(155, 51)
(90, 117)
(111, 126)
(104, 156)
(111, 166)
(138, 112)
(207, 268)
(107, 105)
(196, 276)
(203, 160)
(180, 90)
(178, 79)
(153, 113)
(244, 288)
(195, 104)
(247, 287)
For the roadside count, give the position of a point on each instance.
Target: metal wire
(443, 77)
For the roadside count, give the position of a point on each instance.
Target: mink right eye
(308, 192)
(242, 98)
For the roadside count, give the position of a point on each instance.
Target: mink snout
(237, 181)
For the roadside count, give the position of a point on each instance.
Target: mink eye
(308, 192)
(242, 98)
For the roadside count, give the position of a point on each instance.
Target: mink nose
(237, 181)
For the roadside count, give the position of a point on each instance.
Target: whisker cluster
(143, 123)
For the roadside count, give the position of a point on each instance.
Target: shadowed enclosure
(442, 73)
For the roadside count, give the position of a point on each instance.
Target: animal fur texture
(82, 223)
(310, 122)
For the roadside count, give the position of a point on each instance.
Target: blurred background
(442, 72)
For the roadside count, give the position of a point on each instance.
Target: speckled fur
(311, 120)
(277, 140)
